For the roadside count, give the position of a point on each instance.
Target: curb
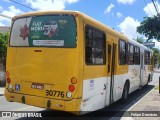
(130, 117)
(140, 99)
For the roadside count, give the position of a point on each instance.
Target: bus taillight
(71, 88)
(8, 80)
(74, 80)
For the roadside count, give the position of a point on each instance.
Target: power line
(5, 16)
(23, 5)
(148, 8)
(155, 7)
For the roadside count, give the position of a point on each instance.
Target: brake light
(71, 88)
(8, 80)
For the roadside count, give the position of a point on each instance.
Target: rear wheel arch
(128, 82)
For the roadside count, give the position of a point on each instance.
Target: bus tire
(149, 78)
(125, 91)
(148, 81)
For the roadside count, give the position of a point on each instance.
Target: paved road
(115, 108)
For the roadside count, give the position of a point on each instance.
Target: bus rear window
(44, 31)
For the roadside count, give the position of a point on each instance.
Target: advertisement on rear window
(49, 31)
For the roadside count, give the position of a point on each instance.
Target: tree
(3, 48)
(156, 55)
(150, 27)
(139, 39)
(3, 45)
(155, 50)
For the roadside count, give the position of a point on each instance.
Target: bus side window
(95, 46)
(122, 52)
(130, 52)
(136, 55)
(147, 58)
(88, 47)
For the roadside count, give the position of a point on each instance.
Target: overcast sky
(122, 15)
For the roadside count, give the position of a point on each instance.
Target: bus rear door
(141, 69)
(111, 50)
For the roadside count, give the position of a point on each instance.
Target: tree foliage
(3, 45)
(155, 50)
(150, 27)
(156, 55)
(139, 40)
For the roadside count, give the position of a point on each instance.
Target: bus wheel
(148, 81)
(125, 92)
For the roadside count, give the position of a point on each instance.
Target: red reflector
(60, 105)
(12, 97)
(37, 50)
(8, 80)
(71, 88)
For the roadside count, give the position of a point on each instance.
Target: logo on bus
(17, 87)
(91, 84)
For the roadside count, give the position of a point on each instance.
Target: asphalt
(144, 109)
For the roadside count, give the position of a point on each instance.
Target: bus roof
(103, 26)
(139, 45)
(86, 17)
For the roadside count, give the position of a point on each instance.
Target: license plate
(37, 86)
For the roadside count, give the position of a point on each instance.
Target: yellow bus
(67, 61)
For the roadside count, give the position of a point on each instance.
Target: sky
(122, 15)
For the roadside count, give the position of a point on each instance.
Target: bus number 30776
(55, 93)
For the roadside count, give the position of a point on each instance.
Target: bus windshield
(44, 31)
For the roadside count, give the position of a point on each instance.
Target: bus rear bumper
(72, 106)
